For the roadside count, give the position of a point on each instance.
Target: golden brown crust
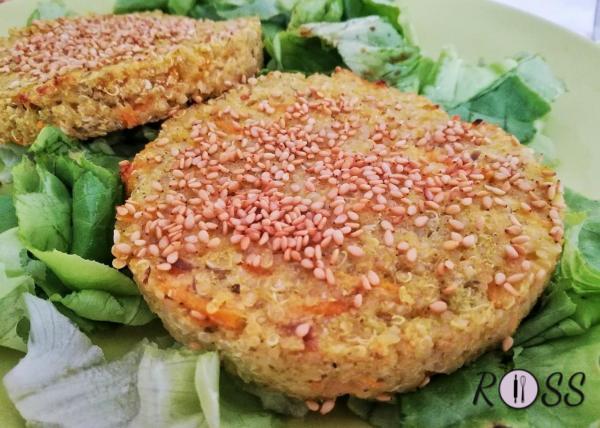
(130, 93)
(445, 289)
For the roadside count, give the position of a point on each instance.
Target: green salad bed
(57, 213)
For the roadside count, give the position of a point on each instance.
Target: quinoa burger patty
(92, 75)
(330, 236)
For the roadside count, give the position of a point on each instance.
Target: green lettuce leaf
(387, 9)
(456, 81)
(130, 6)
(371, 47)
(95, 194)
(578, 203)
(98, 305)
(49, 10)
(38, 191)
(568, 356)
(580, 262)
(78, 274)
(514, 94)
(14, 282)
(8, 216)
(180, 7)
(316, 11)
(545, 147)
(95, 185)
(449, 400)
(10, 155)
(293, 52)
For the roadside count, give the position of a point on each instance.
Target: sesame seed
(373, 278)
(469, 241)
(499, 278)
(119, 263)
(456, 225)
(302, 330)
(450, 245)
(388, 238)
(319, 273)
(364, 282)
(507, 343)
(357, 301)
(403, 246)
(438, 307)
(411, 255)
(327, 407)
(510, 252)
(329, 277)
(355, 251)
(164, 266)
(508, 287)
(313, 406)
(515, 278)
(421, 221)
(173, 257)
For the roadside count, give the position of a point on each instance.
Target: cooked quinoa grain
(95, 74)
(360, 227)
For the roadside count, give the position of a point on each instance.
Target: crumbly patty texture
(95, 74)
(328, 235)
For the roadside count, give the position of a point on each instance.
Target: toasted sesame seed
(421, 221)
(507, 343)
(302, 330)
(509, 287)
(319, 273)
(438, 307)
(469, 241)
(388, 238)
(164, 266)
(119, 263)
(357, 301)
(122, 211)
(515, 278)
(355, 251)
(403, 246)
(499, 278)
(510, 252)
(327, 407)
(373, 278)
(364, 282)
(213, 243)
(411, 255)
(123, 248)
(450, 245)
(313, 406)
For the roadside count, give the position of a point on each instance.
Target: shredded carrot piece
(336, 307)
(129, 116)
(223, 317)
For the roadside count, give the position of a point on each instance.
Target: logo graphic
(518, 389)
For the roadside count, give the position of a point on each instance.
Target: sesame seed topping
(507, 343)
(438, 307)
(308, 183)
(327, 407)
(302, 330)
(51, 48)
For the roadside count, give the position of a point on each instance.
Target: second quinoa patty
(95, 74)
(332, 236)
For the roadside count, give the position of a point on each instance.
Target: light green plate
(478, 29)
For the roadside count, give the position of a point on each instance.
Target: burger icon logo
(518, 389)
